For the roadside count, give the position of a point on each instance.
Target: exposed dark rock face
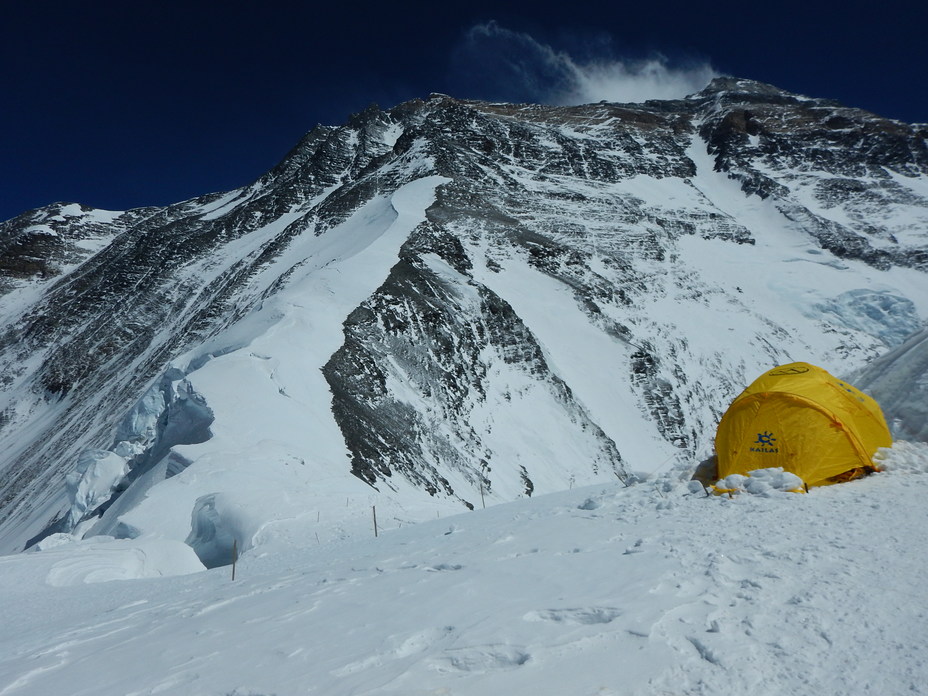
(594, 200)
(775, 144)
(440, 334)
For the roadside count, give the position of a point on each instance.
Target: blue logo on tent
(765, 438)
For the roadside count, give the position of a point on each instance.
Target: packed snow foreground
(654, 588)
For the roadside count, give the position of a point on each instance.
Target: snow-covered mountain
(444, 305)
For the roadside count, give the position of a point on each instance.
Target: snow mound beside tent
(903, 457)
(761, 481)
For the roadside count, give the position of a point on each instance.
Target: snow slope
(606, 590)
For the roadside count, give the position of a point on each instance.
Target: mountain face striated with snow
(445, 305)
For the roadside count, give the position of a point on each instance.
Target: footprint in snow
(403, 646)
(481, 659)
(420, 641)
(583, 617)
(518, 554)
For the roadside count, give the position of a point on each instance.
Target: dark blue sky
(136, 102)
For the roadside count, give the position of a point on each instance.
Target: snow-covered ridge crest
(450, 304)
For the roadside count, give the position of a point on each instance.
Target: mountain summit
(446, 304)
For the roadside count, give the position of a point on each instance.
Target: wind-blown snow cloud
(498, 63)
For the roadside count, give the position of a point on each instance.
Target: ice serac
(899, 382)
(446, 304)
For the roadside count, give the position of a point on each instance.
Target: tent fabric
(803, 419)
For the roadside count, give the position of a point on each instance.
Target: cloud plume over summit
(498, 63)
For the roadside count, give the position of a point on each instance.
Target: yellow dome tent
(801, 418)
